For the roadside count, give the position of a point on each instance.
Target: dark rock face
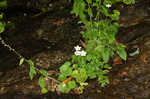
(12, 3)
(35, 4)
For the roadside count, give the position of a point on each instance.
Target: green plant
(33, 70)
(2, 24)
(3, 4)
(101, 26)
(91, 62)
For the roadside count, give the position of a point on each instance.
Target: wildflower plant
(91, 62)
(79, 52)
(101, 26)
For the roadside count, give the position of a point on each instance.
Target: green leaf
(30, 62)
(79, 22)
(43, 72)
(32, 72)
(89, 1)
(63, 88)
(21, 61)
(90, 12)
(75, 66)
(3, 4)
(115, 15)
(41, 82)
(79, 9)
(1, 16)
(44, 90)
(2, 27)
(82, 76)
(115, 1)
(95, 5)
(105, 11)
(71, 84)
(107, 2)
(103, 80)
(92, 75)
(62, 77)
(116, 24)
(91, 71)
(45, 9)
(75, 74)
(106, 55)
(106, 66)
(129, 1)
(66, 69)
(89, 57)
(83, 83)
(74, 58)
(32, 69)
(122, 53)
(98, 0)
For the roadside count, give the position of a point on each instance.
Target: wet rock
(35, 4)
(138, 73)
(51, 59)
(55, 30)
(132, 33)
(133, 14)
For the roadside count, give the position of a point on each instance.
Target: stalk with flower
(79, 52)
(100, 44)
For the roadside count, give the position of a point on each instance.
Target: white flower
(80, 53)
(77, 53)
(77, 48)
(108, 5)
(83, 53)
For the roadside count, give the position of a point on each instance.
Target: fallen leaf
(143, 58)
(117, 60)
(117, 42)
(136, 21)
(58, 22)
(67, 80)
(123, 74)
(83, 44)
(1, 73)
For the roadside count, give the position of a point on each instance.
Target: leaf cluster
(101, 27)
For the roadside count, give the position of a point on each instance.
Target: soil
(49, 39)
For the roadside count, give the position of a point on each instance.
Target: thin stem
(20, 56)
(10, 48)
